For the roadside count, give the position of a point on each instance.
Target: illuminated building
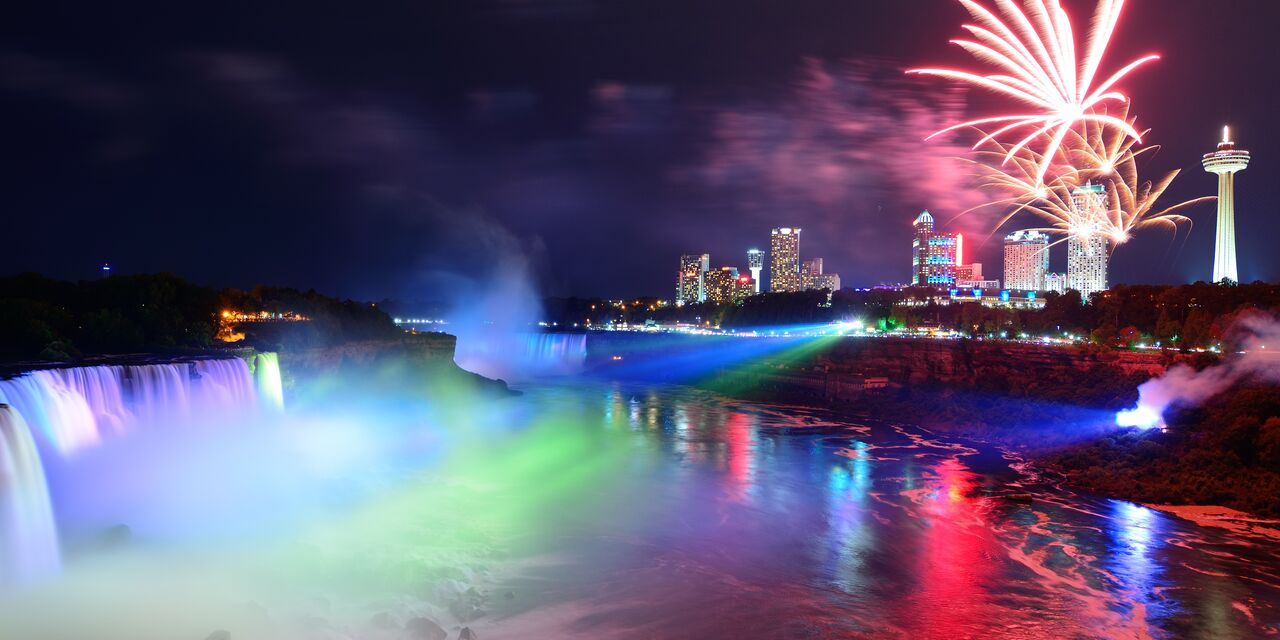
(1026, 259)
(1087, 246)
(690, 283)
(934, 255)
(969, 276)
(745, 287)
(784, 260)
(1227, 161)
(828, 281)
(755, 263)
(1055, 282)
(812, 277)
(721, 285)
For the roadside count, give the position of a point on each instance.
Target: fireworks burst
(1033, 52)
(1131, 203)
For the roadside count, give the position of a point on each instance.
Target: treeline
(330, 320)
(46, 319)
(1185, 316)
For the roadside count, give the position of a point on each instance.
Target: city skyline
(517, 132)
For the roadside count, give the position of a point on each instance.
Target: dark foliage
(331, 321)
(47, 319)
(51, 319)
(1225, 453)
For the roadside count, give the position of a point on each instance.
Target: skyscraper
(923, 227)
(1227, 161)
(755, 263)
(691, 282)
(784, 260)
(934, 254)
(1087, 246)
(1026, 259)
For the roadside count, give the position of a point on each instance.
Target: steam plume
(1257, 339)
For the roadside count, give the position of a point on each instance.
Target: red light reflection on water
(738, 439)
(954, 562)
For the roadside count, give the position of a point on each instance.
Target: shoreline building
(1026, 260)
(691, 286)
(1226, 162)
(784, 260)
(937, 258)
(1087, 247)
(755, 264)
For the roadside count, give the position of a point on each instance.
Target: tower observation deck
(1226, 162)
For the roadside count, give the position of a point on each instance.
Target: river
(748, 520)
(595, 509)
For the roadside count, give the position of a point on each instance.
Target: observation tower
(1226, 162)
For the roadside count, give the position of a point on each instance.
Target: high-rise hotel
(1087, 246)
(1026, 260)
(784, 260)
(691, 286)
(934, 254)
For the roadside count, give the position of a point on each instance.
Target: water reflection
(758, 516)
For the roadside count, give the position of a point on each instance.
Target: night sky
(395, 149)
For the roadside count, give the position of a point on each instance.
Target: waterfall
(75, 408)
(266, 373)
(28, 537)
(559, 352)
(59, 412)
(522, 355)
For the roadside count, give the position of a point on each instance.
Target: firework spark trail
(1131, 201)
(1035, 62)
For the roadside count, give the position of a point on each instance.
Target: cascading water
(58, 412)
(28, 537)
(522, 355)
(266, 373)
(563, 352)
(61, 412)
(227, 384)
